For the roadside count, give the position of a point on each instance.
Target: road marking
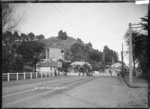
(32, 89)
(35, 95)
(28, 84)
(61, 95)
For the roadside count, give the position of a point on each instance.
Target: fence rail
(25, 75)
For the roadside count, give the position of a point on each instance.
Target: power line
(67, 21)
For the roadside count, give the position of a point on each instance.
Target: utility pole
(122, 61)
(130, 54)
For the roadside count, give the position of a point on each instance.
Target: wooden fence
(25, 75)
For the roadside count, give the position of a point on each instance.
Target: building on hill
(54, 53)
(51, 63)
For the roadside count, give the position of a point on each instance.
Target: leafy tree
(79, 40)
(8, 41)
(23, 37)
(31, 52)
(109, 54)
(31, 36)
(139, 46)
(62, 35)
(18, 65)
(40, 37)
(95, 55)
(89, 44)
(77, 50)
(144, 23)
(16, 36)
(8, 62)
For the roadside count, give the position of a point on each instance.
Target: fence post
(31, 75)
(45, 74)
(17, 75)
(36, 74)
(41, 74)
(24, 76)
(8, 76)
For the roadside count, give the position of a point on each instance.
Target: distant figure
(65, 72)
(117, 73)
(125, 72)
(55, 73)
(110, 72)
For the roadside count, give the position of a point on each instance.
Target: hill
(65, 44)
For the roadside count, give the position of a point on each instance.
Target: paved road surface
(71, 92)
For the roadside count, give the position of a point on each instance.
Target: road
(70, 91)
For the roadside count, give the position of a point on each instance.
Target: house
(51, 63)
(55, 53)
(80, 63)
(48, 65)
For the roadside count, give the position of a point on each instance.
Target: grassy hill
(65, 44)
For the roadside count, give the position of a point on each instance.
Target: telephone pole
(130, 54)
(122, 61)
(130, 49)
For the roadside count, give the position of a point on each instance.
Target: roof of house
(117, 65)
(55, 46)
(80, 63)
(47, 63)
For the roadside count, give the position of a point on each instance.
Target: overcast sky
(99, 23)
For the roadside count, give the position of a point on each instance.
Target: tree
(9, 21)
(77, 50)
(89, 44)
(144, 23)
(95, 55)
(18, 65)
(7, 41)
(40, 37)
(79, 40)
(31, 36)
(62, 35)
(8, 62)
(109, 54)
(23, 37)
(16, 36)
(31, 52)
(139, 45)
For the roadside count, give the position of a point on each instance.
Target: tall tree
(10, 22)
(62, 35)
(40, 37)
(31, 52)
(144, 23)
(16, 36)
(23, 37)
(89, 44)
(109, 54)
(31, 36)
(140, 45)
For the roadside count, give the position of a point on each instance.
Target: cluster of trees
(110, 56)
(16, 54)
(18, 50)
(23, 37)
(140, 45)
(62, 35)
(80, 51)
(83, 69)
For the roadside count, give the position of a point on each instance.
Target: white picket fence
(25, 75)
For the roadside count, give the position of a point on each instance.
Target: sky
(99, 23)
